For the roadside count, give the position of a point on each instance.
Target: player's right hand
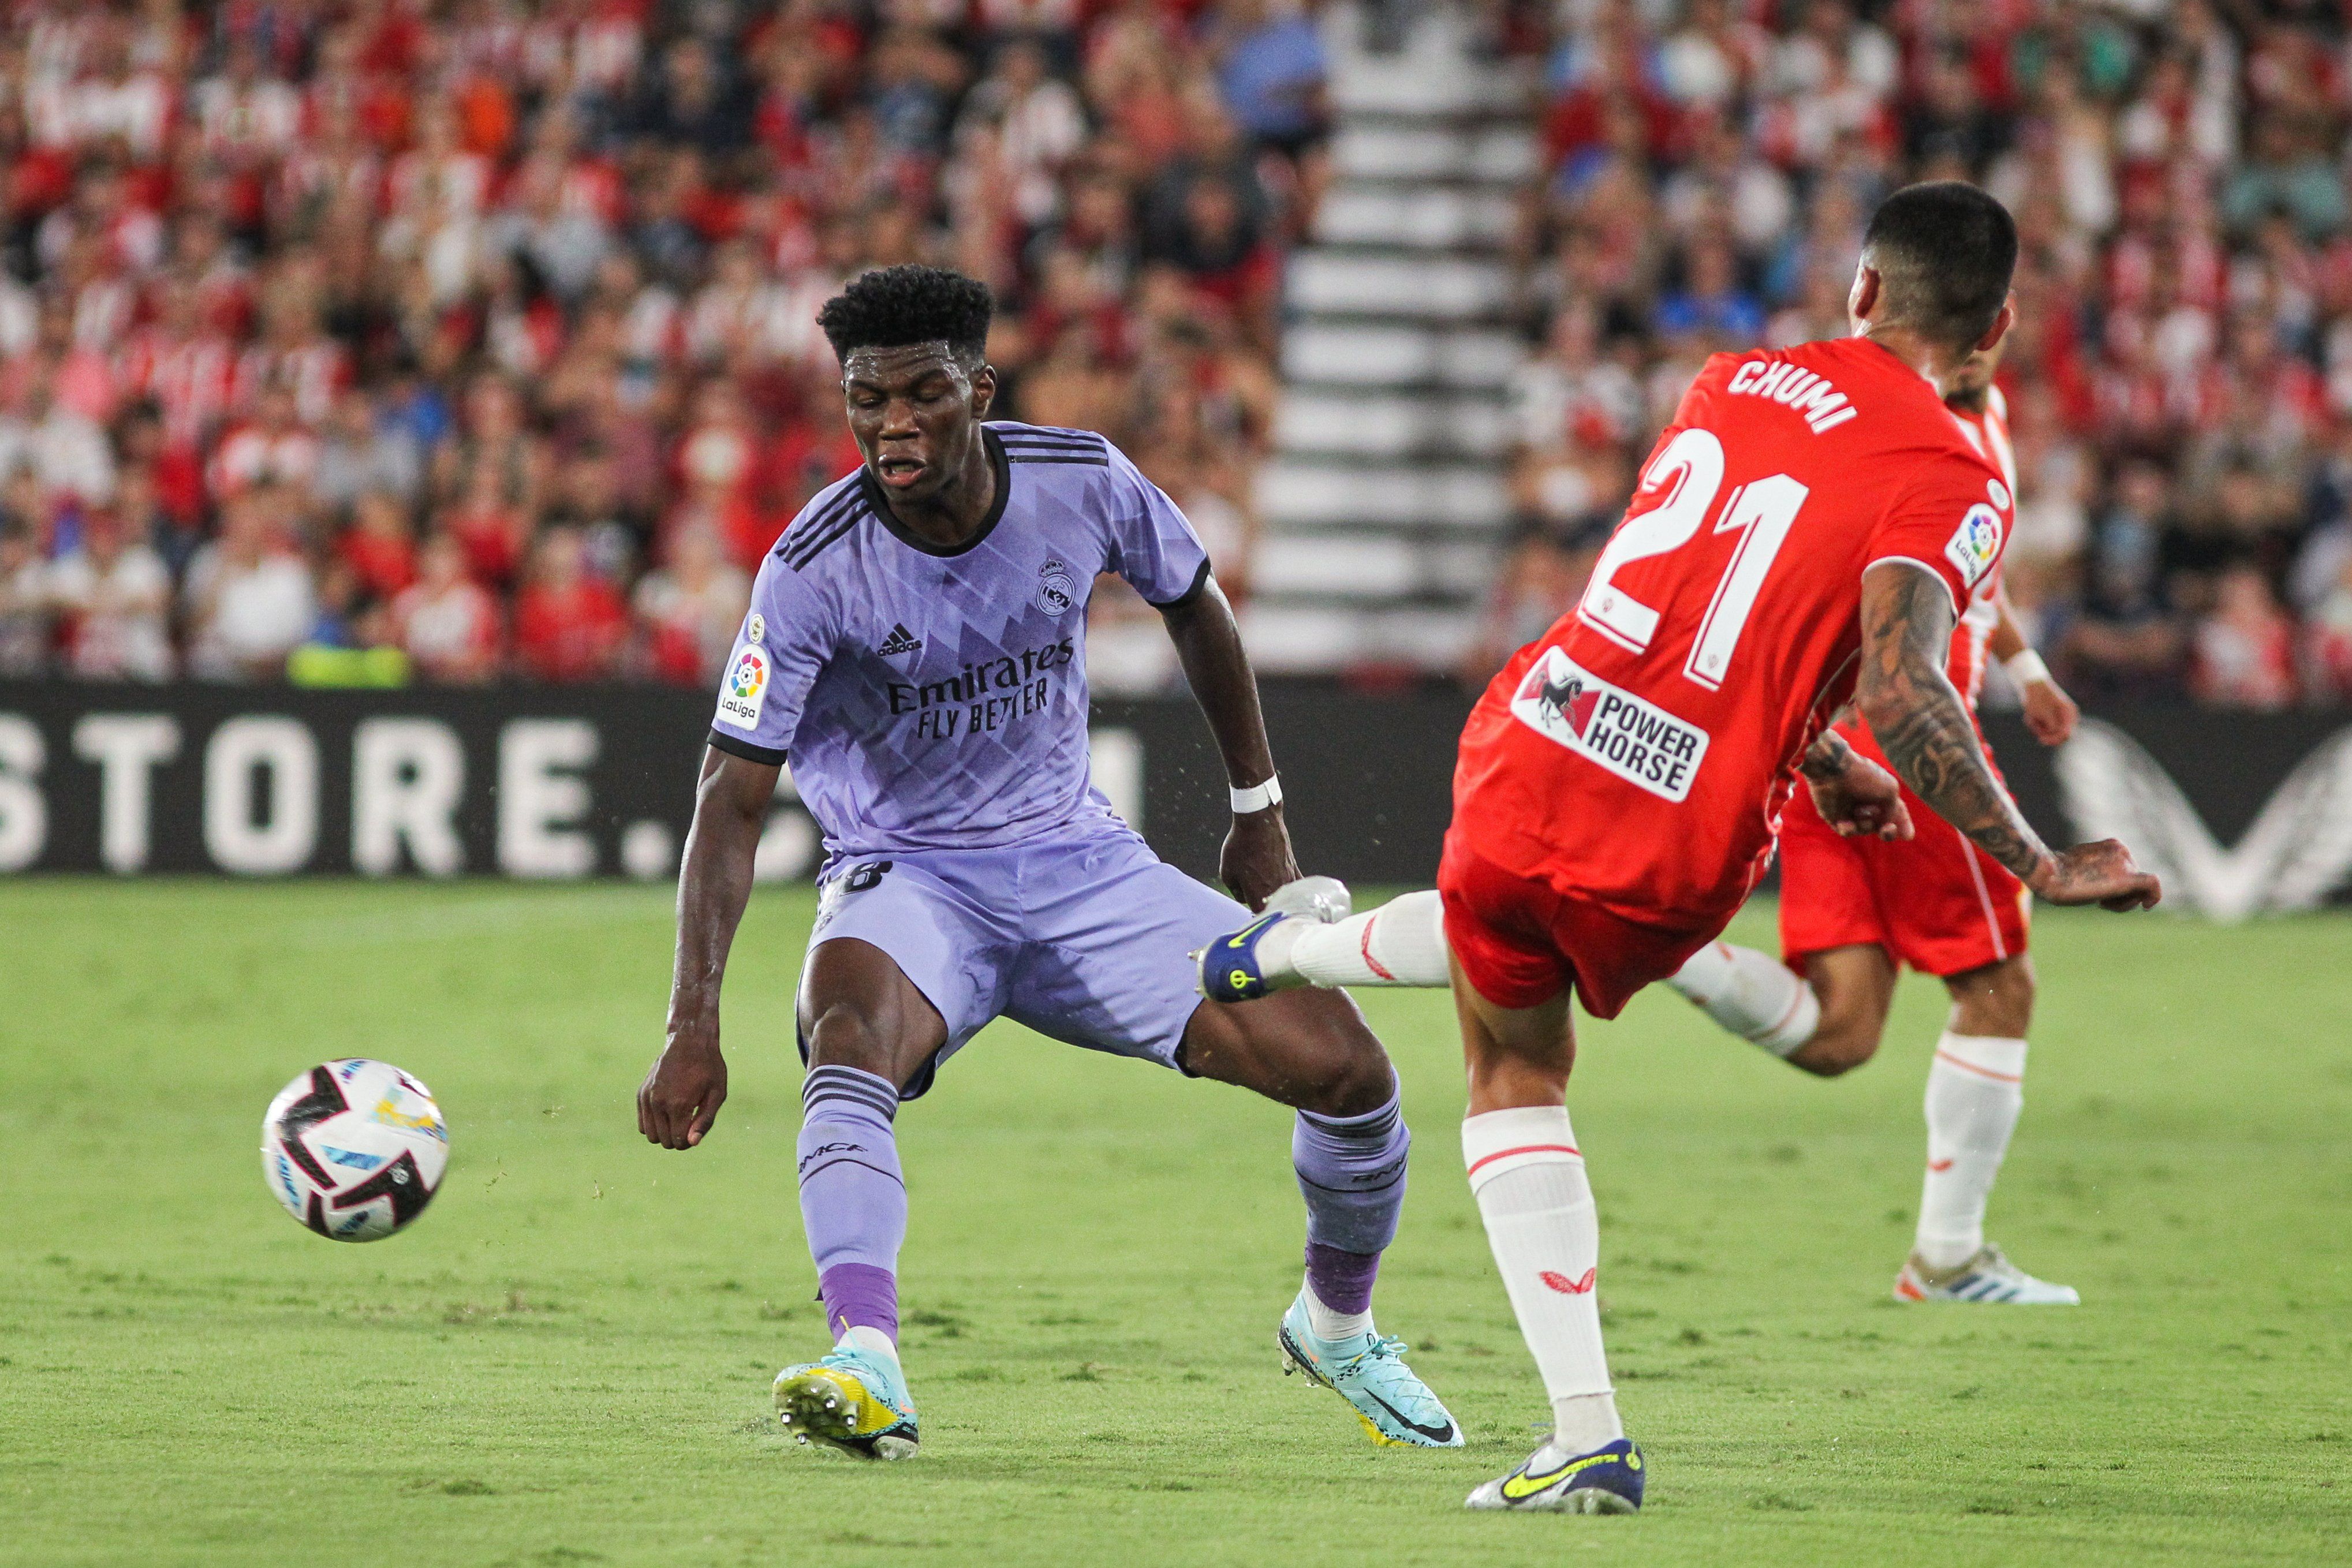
(681, 1096)
(2100, 873)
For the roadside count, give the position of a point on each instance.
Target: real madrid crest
(1057, 589)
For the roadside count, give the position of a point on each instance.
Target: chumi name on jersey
(983, 696)
(1805, 393)
(1638, 741)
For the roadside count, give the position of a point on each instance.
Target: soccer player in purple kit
(916, 649)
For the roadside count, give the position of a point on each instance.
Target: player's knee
(1352, 1073)
(845, 1036)
(1841, 1045)
(1996, 1001)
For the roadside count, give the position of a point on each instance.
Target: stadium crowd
(2181, 384)
(372, 340)
(460, 339)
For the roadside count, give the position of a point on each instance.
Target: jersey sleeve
(779, 650)
(1152, 545)
(1954, 521)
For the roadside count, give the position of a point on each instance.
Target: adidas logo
(900, 640)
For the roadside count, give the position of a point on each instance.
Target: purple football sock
(1351, 1171)
(1342, 1280)
(852, 1198)
(858, 1294)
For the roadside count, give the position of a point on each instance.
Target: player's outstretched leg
(1350, 1147)
(1752, 994)
(1529, 1177)
(1306, 937)
(854, 1208)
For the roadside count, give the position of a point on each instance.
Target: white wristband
(2025, 669)
(1258, 797)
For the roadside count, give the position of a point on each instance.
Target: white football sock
(1975, 1089)
(1327, 1324)
(866, 1337)
(1529, 1182)
(1402, 943)
(1752, 994)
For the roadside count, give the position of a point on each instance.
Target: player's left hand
(1862, 800)
(2049, 714)
(1258, 857)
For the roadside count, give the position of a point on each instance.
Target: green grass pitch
(566, 1361)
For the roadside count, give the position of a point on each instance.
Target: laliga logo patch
(1975, 543)
(745, 688)
(1057, 589)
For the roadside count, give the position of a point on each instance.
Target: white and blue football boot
(852, 1400)
(1988, 1276)
(1367, 1371)
(1606, 1480)
(1236, 968)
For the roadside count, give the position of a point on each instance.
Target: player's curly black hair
(909, 304)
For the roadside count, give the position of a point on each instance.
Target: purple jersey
(934, 699)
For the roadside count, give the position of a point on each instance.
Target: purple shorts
(1084, 937)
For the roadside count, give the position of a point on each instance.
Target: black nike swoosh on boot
(1434, 1433)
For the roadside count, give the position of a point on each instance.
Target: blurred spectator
(115, 597)
(2244, 654)
(691, 608)
(249, 600)
(1542, 579)
(445, 622)
(26, 607)
(569, 625)
(2331, 640)
(65, 450)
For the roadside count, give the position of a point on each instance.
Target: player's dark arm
(1258, 857)
(681, 1096)
(1925, 730)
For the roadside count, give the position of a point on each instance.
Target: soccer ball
(354, 1149)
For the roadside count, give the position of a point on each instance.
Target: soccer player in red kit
(1806, 533)
(1852, 908)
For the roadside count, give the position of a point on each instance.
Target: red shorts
(1935, 901)
(1521, 942)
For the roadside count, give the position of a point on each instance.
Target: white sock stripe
(1989, 1055)
(1500, 1141)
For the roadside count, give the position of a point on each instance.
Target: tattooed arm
(1926, 731)
(1853, 794)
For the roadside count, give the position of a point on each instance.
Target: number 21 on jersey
(1760, 512)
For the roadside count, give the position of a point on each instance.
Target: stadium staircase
(1383, 506)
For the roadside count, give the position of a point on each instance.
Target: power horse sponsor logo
(1639, 741)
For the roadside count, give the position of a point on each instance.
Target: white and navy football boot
(1234, 969)
(1988, 1276)
(1369, 1372)
(1606, 1480)
(852, 1400)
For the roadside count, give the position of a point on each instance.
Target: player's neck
(950, 516)
(1932, 361)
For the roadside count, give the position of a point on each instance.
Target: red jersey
(1637, 755)
(1988, 432)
